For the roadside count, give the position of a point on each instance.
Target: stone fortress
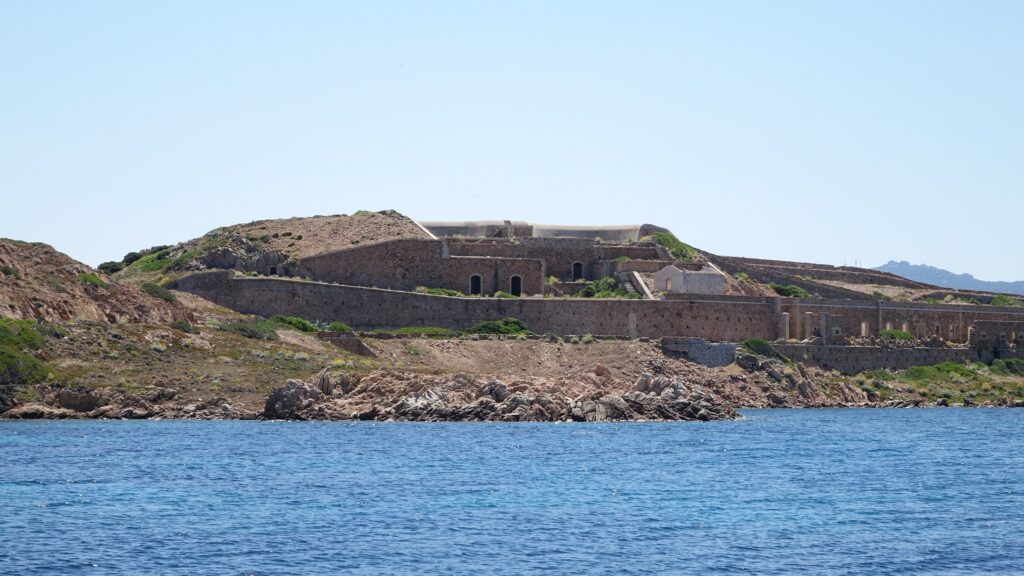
(537, 270)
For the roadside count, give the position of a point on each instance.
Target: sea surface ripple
(927, 491)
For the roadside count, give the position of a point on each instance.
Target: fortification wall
(606, 233)
(406, 264)
(718, 318)
(856, 359)
(369, 308)
(559, 254)
(816, 271)
(857, 318)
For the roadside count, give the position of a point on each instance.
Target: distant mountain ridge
(947, 279)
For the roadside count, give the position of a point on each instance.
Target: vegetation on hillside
(895, 335)
(19, 339)
(677, 248)
(761, 347)
(503, 326)
(429, 331)
(789, 290)
(267, 329)
(1006, 301)
(339, 327)
(158, 291)
(606, 287)
(950, 382)
(439, 291)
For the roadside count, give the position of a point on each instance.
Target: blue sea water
(929, 491)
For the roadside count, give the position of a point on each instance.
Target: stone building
(676, 280)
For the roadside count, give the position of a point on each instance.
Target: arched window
(577, 271)
(475, 284)
(516, 287)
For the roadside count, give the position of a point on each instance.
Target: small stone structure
(676, 280)
(700, 350)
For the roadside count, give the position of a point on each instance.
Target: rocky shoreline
(388, 395)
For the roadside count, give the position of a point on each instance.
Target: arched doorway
(516, 287)
(475, 284)
(577, 271)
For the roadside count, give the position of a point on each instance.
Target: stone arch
(577, 271)
(516, 286)
(476, 284)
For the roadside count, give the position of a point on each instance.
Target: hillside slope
(258, 245)
(39, 283)
(947, 279)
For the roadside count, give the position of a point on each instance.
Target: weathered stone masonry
(719, 318)
(367, 308)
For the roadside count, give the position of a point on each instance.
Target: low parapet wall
(852, 360)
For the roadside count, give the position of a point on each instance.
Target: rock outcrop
(40, 283)
(388, 395)
(87, 403)
(292, 401)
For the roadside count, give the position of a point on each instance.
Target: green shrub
(1006, 301)
(438, 291)
(1007, 366)
(622, 259)
(426, 331)
(21, 334)
(939, 373)
(154, 261)
(676, 248)
(895, 335)
(18, 368)
(110, 267)
(338, 327)
(789, 291)
(185, 327)
(762, 347)
(606, 287)
(17, 337)
(130, 258)
(9, 271)
(262, 330)
(742, 277)
(157, 291)
(300, 324)
(501, 294)
(92, 280)
(504, 326)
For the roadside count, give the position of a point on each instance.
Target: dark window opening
(273, 270)
(475, 284)
(577, 271)
(517, 286)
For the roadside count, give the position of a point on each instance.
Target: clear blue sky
(814, 131)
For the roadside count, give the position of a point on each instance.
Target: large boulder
(325, 383)
(425, 405)
(80, 399)
(290, 401)
(37, 411)
(495, 390)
